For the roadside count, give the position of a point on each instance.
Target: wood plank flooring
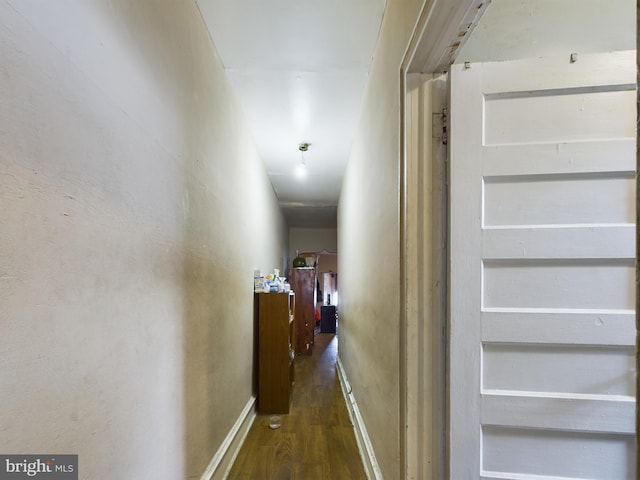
(316, 440)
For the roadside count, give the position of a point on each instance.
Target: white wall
(512, 29)
(132, 200)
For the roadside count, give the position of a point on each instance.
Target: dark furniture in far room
(328, 317)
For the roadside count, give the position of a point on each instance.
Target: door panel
(563, 115)
(593, 455)
(566, 199)
(542, 269)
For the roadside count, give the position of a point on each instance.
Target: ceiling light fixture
(301, 168)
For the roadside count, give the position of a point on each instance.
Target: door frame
(423, 265)
(637, 238)
(437, 37)
(441, 29)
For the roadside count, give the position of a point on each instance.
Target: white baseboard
(362, 437)
(221, 463)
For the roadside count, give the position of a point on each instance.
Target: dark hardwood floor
(316, 439)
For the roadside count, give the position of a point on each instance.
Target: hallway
(316, 439)
(136, 207)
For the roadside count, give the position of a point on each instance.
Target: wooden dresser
(276, 340)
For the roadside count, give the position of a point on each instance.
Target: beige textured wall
(312, 240)
(368, 243)
(134, 210)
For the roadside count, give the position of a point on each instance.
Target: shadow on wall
(208, 197)
(219, 352)
(201, 311)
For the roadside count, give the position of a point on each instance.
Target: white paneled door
(542, 269)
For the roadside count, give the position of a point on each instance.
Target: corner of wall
(222, 461)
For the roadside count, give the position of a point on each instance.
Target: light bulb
(301, 170)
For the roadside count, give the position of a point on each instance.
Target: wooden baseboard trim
(221, 463)
(362, 437)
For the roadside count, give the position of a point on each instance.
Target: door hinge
(445, 120)
(439, 126)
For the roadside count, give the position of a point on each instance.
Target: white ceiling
(299, 68)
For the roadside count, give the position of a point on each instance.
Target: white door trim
(424, 277)
(435, 41)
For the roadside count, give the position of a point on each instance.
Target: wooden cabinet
(276, 339)
(303, 283)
